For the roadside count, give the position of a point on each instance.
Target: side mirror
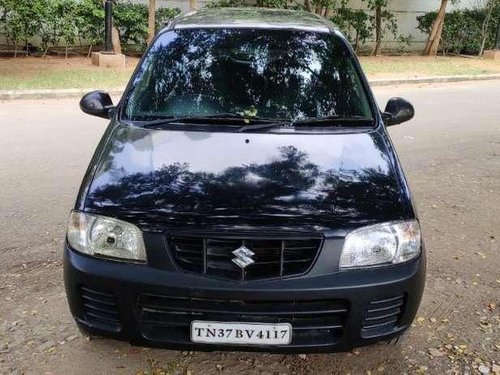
(97, 103)
(397, 111)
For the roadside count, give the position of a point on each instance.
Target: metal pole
(108, 41)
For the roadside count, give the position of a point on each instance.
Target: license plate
(241, 333)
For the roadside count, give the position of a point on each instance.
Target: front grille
(100, 309)
(314, 322)
(272, 257)
(383, 315)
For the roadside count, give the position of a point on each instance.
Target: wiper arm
(307, 121)
(266, 126)
(335, 119)
(212, 117)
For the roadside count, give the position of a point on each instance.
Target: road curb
(72, 93)
(50, 94)
(439, 79)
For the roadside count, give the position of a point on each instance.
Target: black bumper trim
(128, 282)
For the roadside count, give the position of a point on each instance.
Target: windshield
(272, 74)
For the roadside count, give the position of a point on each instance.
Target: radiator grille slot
(100, 310)
(272, 258)
(383, 315)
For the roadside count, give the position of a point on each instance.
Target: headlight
(106, 237)
(381, 244)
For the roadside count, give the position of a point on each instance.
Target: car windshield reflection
(272, 74)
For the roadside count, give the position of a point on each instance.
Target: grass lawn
(422, 66)
(76, 72)
(58, 73)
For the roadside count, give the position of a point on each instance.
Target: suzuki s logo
(243, 256)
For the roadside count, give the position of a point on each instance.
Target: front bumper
(153, 307)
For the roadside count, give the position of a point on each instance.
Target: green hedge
(462, 30)
(69, 22)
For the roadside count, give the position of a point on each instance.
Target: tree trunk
(151, 20)
(437, 40)
(308, 5)
(192, 5)
(378, 31)
(484, 29)
(497, 41)
(432, 44)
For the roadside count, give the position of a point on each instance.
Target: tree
(50, 30)
(90, 22)
(377, 4)
(22, 20)
(308, 5)
(66, 13)
(383, 20)
(353, 23)
(432, 44)
(489, 7)
(151, 20)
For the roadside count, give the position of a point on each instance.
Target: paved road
(451, 153)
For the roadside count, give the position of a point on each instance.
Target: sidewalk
(72, 93)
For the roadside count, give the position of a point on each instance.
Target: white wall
(183, 5)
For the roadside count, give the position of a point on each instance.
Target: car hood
(165, 179)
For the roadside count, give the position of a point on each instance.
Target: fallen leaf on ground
(436, 352)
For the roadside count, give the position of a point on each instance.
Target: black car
(245, 196)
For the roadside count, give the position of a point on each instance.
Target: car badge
(243, 257)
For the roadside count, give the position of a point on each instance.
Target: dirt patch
(29, 66)
(56, 72)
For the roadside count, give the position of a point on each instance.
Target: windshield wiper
(336, 119)
(307, 121)
(223, 117)
(266, 126)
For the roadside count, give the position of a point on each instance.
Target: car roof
(263, 18)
